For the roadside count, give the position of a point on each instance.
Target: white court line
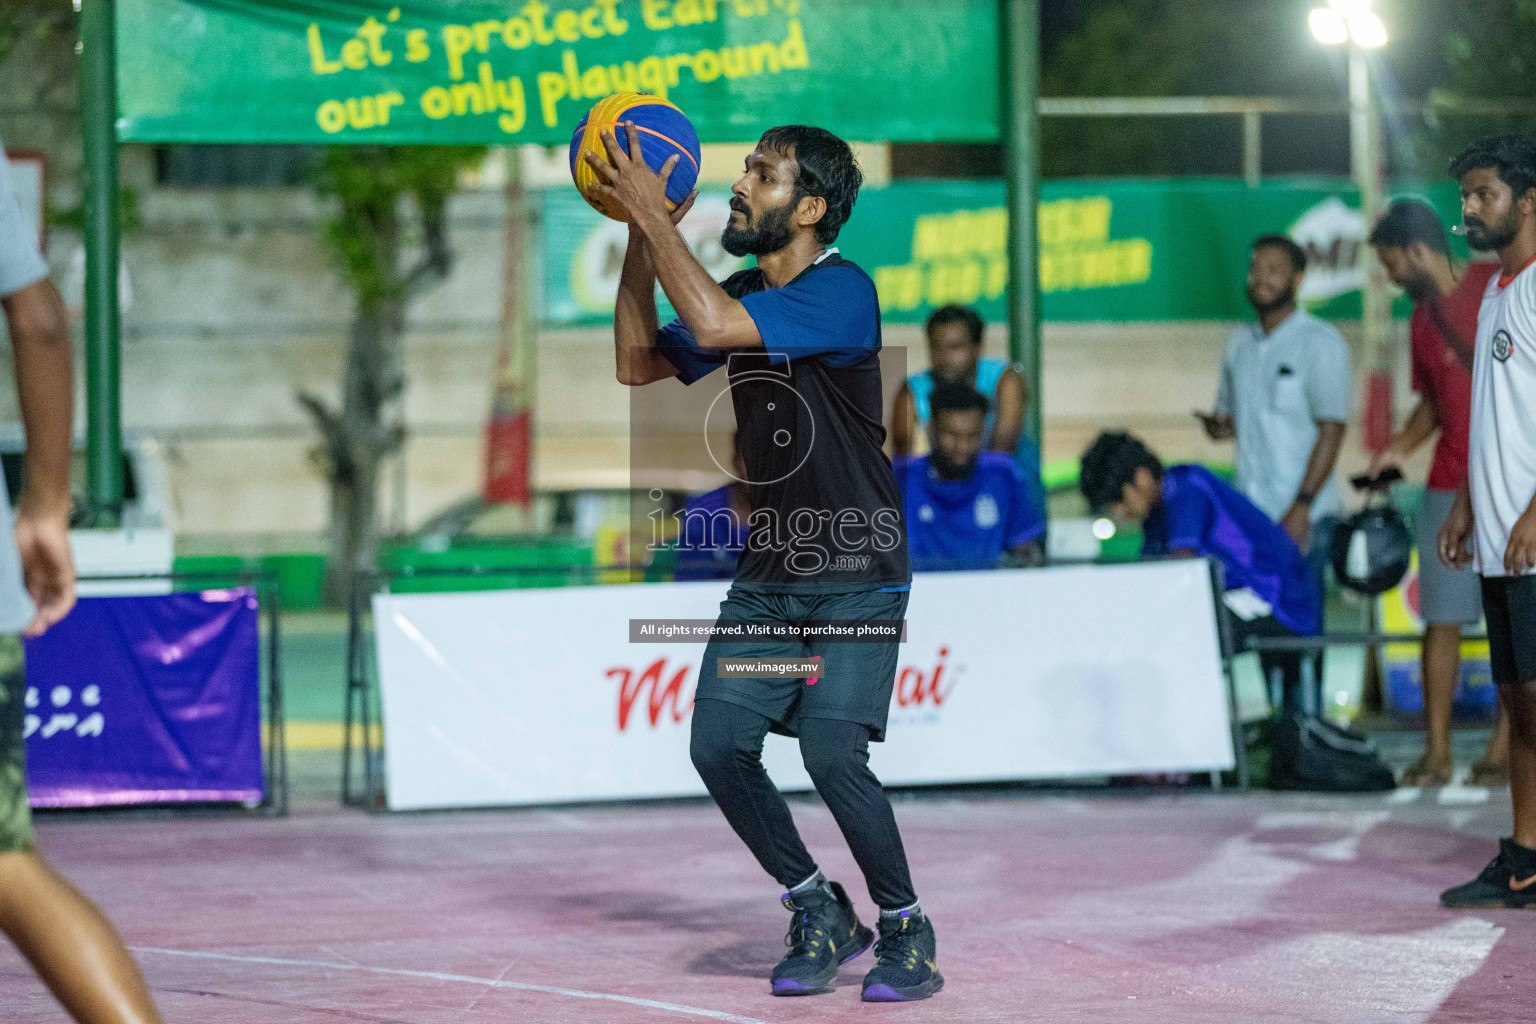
(520, 986)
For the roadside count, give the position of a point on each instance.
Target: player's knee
(710, 754)
(829, 762)
(715, 747)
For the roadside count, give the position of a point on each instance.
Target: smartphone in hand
(1380, 482)
(1215, 426)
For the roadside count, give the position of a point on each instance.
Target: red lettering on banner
(631, 684)
(913, 687)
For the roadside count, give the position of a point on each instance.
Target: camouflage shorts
(15, 817)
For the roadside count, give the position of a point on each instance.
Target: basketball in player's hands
(664, 132)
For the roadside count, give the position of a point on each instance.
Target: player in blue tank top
(954, 353)
(966, 508)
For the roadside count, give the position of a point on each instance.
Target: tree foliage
(369, 183)
(1489, 53)
(44, 31)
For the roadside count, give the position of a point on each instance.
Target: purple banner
(148, 699)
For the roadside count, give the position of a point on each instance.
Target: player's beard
(1421, 287)
(946, 469)
(1280, 301)
(1485, 238)
(949, 376)
(771, 233)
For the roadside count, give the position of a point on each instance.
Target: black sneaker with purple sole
(907, 965)
(824, 934)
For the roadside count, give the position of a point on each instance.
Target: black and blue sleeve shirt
(827, 514)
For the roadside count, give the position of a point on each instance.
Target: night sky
(1409, 67)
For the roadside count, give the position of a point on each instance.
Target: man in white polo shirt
(1284, 396)
(1495, 510)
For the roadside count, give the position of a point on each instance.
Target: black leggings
(727, 750)
(1294, 698)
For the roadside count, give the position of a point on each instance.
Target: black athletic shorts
(857, 678)
(1509, 604)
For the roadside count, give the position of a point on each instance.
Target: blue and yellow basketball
(664, 130)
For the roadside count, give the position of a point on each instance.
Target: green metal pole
(1020, 74)
(103, 407)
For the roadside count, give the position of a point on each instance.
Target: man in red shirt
(1412, 244)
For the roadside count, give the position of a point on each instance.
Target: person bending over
(1187, 512)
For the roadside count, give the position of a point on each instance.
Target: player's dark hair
(1291, 249)
(1411, 220)
(1110, 463)
(957, 315)
(1512, 156)
(825, 168)
(952, 396)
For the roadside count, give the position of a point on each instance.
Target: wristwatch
(1305, 498)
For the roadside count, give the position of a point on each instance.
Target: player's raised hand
(630, 182)
(683, 207)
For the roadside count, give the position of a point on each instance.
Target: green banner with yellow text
(504, 71)
(1120, 250)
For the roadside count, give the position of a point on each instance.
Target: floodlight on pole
(1345, 20)
(1353, 22)
(1367, 30)
(1328, 26)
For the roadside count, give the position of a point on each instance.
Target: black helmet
(1370, 550)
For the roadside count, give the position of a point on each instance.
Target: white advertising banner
(537, 696)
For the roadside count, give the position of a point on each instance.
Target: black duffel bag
(1311, 755)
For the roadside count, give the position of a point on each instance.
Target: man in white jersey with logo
(1493, 521)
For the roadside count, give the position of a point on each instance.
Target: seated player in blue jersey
(714, 527)
(1188, 512)
(967, 508)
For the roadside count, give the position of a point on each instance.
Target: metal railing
(1253, 109)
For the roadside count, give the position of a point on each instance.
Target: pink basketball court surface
(1049, 907)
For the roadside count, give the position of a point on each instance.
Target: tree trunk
(370, 184)
(358, 441)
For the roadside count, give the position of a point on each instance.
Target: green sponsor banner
(1109, 250)
(525, 71)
